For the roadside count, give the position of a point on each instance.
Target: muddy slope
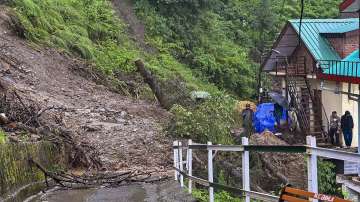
(126, 133)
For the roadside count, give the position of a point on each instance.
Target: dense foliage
(223, 40)
(209, 121)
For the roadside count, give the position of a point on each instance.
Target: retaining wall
(18, 178)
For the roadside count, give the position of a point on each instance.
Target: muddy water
(164, 192)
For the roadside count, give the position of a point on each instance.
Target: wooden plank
(298, 192)
(322, 197)
(292, 199)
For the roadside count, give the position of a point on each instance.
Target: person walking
(247, 115)
(347, 125)
(334, 129)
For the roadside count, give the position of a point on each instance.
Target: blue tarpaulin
(264, 117)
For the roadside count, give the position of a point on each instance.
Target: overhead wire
(301, 19)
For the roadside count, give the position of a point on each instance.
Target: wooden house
(316, 66)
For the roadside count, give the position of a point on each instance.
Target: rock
(13, 139)
(91, 128)
(3, 119)
(7, 71)
(123, 113)
(34, 137)
(11, 125)
(120, 120)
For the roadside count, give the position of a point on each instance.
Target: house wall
(302, 51)
(338, 44)
(351, 42)
(339, 103)
(351, 106)
(345, 44)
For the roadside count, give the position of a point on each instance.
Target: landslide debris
(123, 133)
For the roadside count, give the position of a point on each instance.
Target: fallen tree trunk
(151, 80)
(107, 179)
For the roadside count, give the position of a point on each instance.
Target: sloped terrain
(126, 133)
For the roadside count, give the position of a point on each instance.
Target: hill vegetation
(210, 45)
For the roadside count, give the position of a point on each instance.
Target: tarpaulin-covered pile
(264, 117)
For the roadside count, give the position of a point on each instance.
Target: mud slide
(126, 133)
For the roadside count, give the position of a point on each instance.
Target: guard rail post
(210, 173)
(312, 167)
(189, 163)
(181, 162)
(245, 169)
(176, 160)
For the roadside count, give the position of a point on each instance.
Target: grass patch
(203, 196)
(3, 137)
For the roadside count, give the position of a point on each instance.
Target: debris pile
(287, 167)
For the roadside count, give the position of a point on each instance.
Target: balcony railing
(338, 68)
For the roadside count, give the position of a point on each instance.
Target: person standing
(347, 125)
(247, 115)
(278, 113)
(334, 129)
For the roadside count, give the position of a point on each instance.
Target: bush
(209, 121)
(327, 179)
(203, 196)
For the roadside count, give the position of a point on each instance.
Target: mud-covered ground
(127, 133)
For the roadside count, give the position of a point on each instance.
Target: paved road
(163, 192)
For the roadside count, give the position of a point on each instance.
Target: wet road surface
(162, 192)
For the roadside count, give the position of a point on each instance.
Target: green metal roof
(317, 44)
(347, 27)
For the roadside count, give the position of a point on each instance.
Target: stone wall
(18, 178)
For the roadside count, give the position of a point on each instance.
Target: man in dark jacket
(247, 115)
(278, 113)
(347, 125)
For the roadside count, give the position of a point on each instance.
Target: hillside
(126, 133)
(67, 72)
(212, 46)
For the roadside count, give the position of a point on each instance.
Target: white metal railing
(310, 150)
